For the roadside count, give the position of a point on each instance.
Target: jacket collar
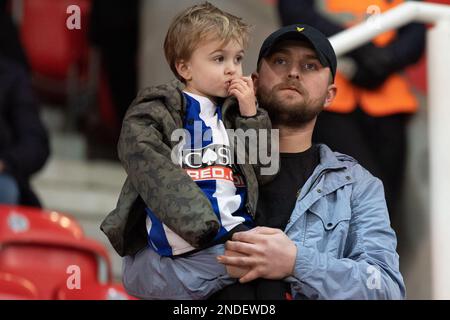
(331, 174)
(329, 162)
(332, 160)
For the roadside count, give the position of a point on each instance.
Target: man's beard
(294, 115)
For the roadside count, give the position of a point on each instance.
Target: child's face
(211, 68)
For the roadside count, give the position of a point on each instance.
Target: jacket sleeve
(163, 185)
(263, 154)
(408, 47)
(370, 269)
(30, 149)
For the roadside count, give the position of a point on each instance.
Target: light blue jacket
(346, 248)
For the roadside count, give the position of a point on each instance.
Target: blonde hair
(199, 23)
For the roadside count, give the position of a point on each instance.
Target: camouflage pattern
(154, 181)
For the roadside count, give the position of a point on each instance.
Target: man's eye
(219, 59)
(279, 61)
(310, 66)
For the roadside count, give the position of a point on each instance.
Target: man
(337, 242)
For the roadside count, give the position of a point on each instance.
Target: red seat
(51, 47)
(41, 246)
(13, 287)
(59, 57)
(65, 71)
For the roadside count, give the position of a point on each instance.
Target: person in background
(114, 32)
(24, 146)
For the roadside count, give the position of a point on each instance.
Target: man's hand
(269, 254)
(373, 66)
(235, 271)
(242, 89)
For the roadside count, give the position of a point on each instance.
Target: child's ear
(183, 69)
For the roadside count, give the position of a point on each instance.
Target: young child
(182, 202)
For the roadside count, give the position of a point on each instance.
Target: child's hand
(235, 272)
(242, 89)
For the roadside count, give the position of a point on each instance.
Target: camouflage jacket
(156, 182)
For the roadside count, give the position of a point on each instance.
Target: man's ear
(183, 69)
(331, 94)
(255, 78)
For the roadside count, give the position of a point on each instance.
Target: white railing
(438, 60)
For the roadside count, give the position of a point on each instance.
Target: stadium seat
(59, 57)
(48, 250)
(13, 287)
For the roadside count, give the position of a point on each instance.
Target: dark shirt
(276, 201)
(277, 198)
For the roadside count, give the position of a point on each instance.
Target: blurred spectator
(23, 139)
(114, 26)
(9, 37)
(369, 116)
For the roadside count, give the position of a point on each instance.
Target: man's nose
(294, 73)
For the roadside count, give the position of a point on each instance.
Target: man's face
(292, 85)
(211, 68)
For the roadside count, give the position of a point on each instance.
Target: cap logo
(300, 29)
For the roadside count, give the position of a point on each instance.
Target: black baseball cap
(317, 39)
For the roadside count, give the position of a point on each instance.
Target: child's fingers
(238, 86)
(240, 80)
(235, 92)
(239, 90)
(248, 81)
(235, 81)
(243, 86)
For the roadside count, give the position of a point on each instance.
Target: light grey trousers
(147, 275)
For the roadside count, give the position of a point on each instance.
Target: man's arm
(370, 269)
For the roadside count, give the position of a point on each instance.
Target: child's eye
(219, 59)
(239, 59)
